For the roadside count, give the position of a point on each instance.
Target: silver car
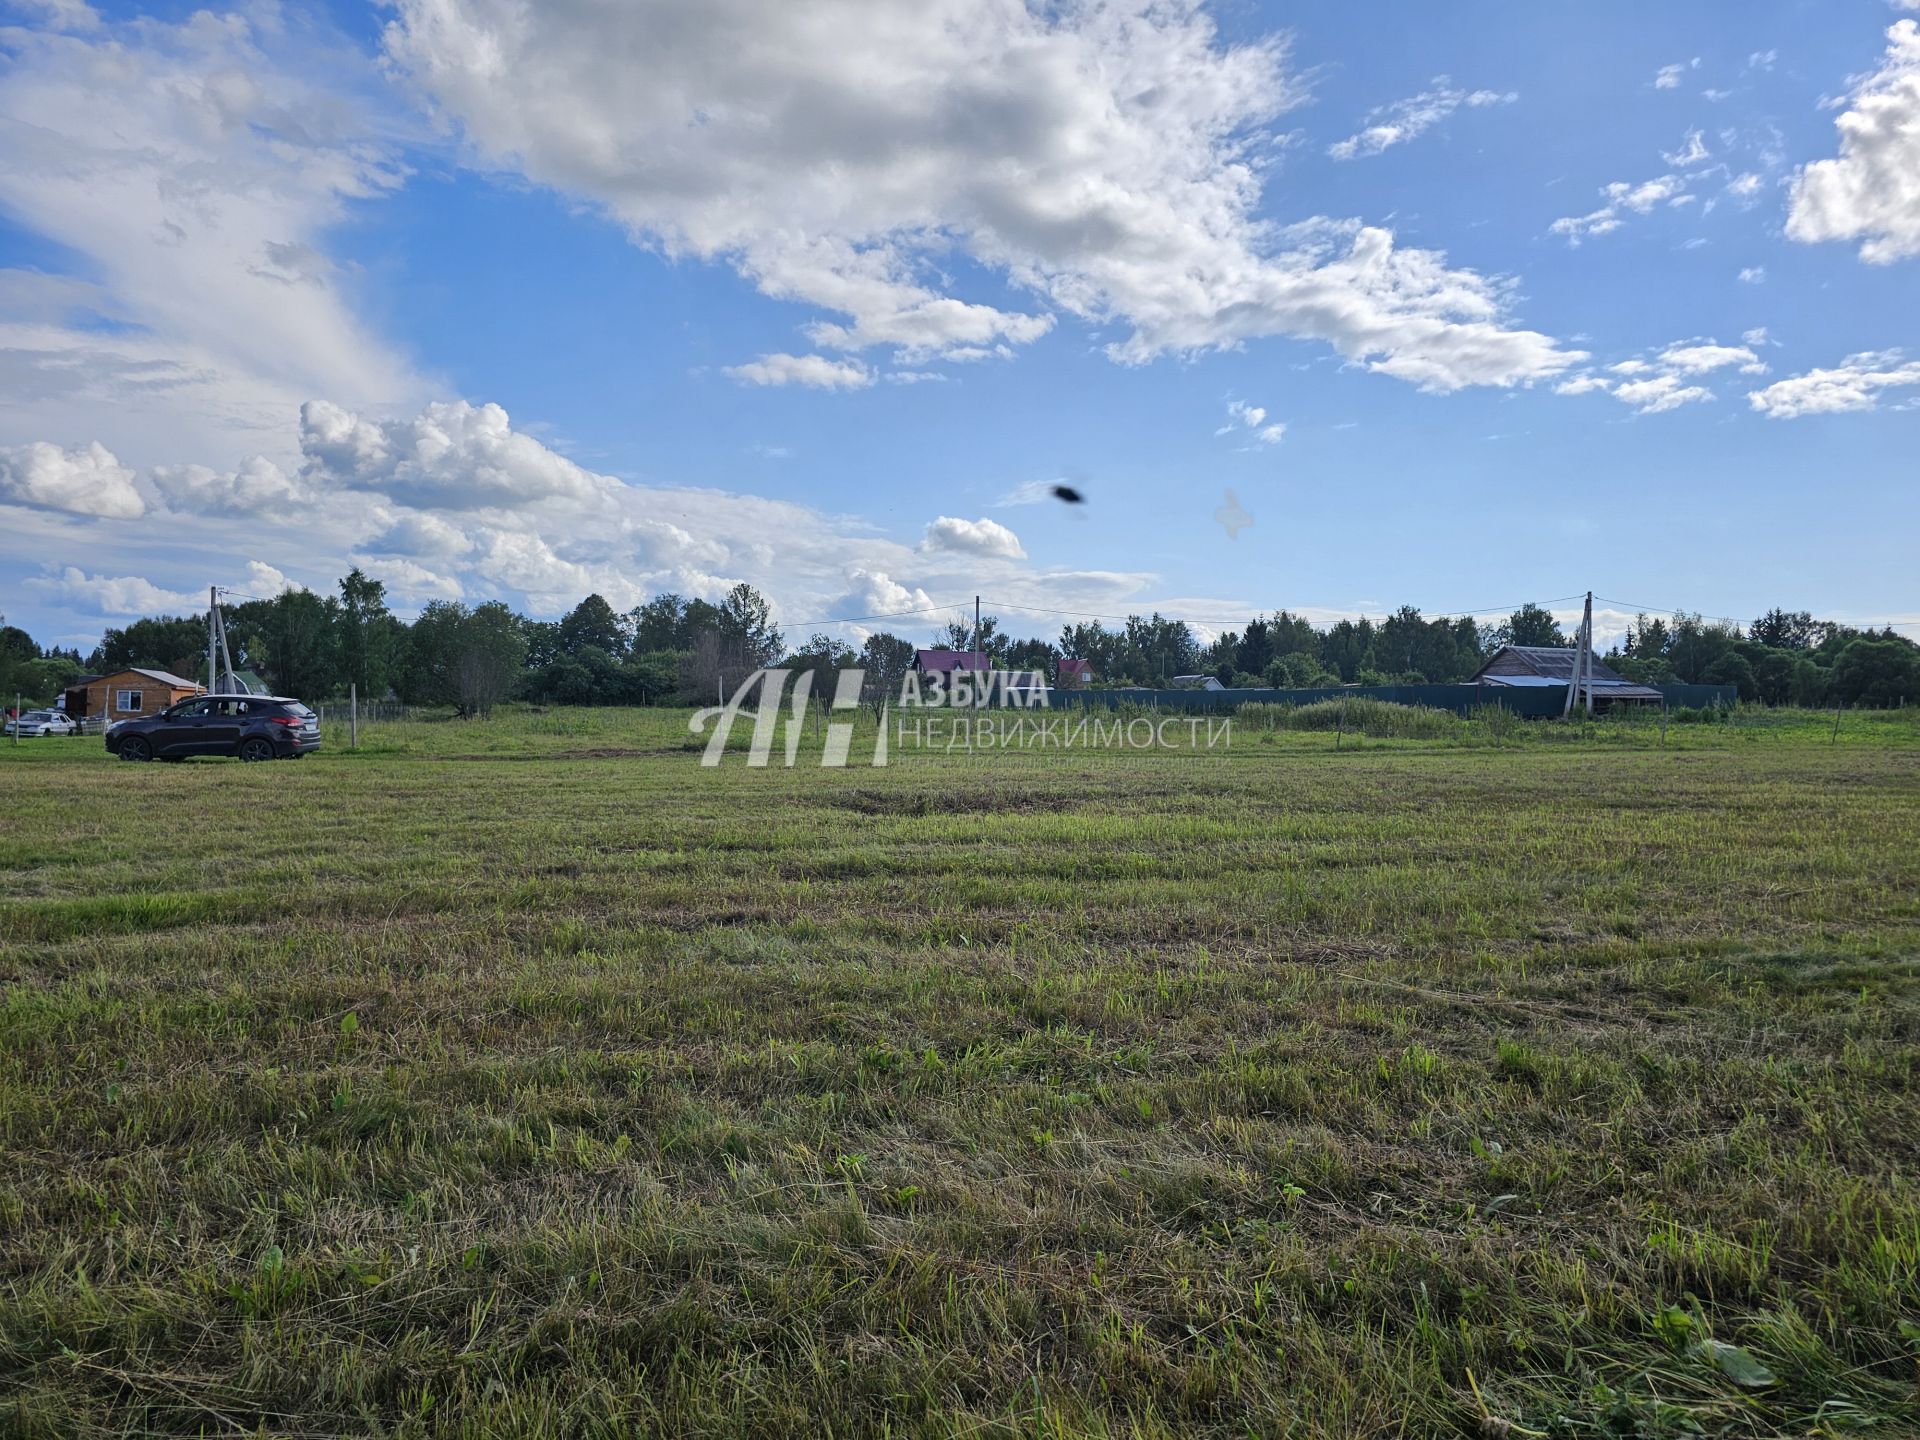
(42, 722)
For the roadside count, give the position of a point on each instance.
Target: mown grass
(527, 1078)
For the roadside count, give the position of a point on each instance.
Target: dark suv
(254, 727)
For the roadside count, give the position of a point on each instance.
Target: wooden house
(125, 694)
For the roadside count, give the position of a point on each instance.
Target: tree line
(678, 650)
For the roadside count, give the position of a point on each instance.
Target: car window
(188, 710)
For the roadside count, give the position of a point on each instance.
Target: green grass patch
(1419, 1076)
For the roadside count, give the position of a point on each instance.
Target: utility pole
(1586, 653)
(1582, 677)
(976, 633)
(213, 671)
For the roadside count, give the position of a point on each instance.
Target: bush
(1359, 715)
(1877, 672)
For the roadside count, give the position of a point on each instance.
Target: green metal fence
(1532, 700)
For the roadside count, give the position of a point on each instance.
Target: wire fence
(372, 712)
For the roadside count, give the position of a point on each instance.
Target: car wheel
(256, 748)
(135, 748)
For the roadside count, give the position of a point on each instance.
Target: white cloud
(113, 595)
(1669, 76)
(1758, 335)
(1653, 386)
(1241, 415)
(1691, 152)
(408, 581)
(454, 504)
(258, 487)
(85, 480)
(978, 537)
(1699, 357)
(1106, 160)
(1403, 120)
(452, 456)
(1659, 393)
(63, 14)
(1764, 59)
(1855, 384)
(874, 592)
(1583, 385)
(1871, 191)
(265, 581)
(1622, 196)
(815, 371)
(1754, 275)
(196, 169)
(433, 537)
(1744, 186)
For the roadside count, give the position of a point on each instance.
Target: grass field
(527, 1078)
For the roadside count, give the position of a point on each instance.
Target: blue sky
(1465, 305)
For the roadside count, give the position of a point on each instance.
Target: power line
(889, 615)
(1735, 620)
(1243, 619)
(1240, 619)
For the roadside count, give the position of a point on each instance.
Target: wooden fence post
(353, 716)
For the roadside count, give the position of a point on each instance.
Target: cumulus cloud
(85, 480)
(1700, 356)
(815, 371)
(408, 581)
(1403, 120)
(1583, 385)
(1753, 275)
(1242, 416)
(876, 593)
(258, 487)
(976, 537)
(1871, 191)
(1661, 381)
(112, 595)
(453, 456)
(1105, 160)
(265, 581)
(1622, 196)
(1855, 384)
(429, 536)
(1658, 393)
(197, 168)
